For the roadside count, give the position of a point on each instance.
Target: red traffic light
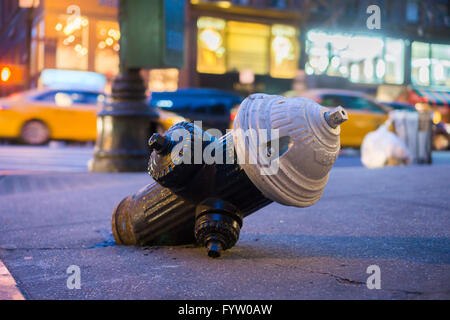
(11, 74)
(5, 74)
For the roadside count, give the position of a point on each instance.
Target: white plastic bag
(382, 148)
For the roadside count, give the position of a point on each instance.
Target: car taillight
(234, 111)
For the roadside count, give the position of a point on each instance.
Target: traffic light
(11, 75)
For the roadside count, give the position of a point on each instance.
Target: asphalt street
(53, 158)
(59, 158)
(395, 218)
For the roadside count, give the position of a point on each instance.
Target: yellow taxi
(365, 114)
(37, 116)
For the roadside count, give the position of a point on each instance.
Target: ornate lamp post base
(124, 127)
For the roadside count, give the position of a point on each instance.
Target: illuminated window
(246, 48)
(210, 45)
(430, 64)
(247, 45)
(107, 49)
(317, 48)
(72, 42)
(284, 51)
(163, 80)
(394, 61)
(420, 63)
(440, 64)
(360, 58)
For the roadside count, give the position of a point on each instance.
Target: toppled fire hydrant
(280, 149)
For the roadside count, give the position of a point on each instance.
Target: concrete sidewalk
(8, 287)
(396, 218)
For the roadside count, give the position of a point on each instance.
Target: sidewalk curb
(8, 286)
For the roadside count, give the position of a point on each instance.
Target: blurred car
(39, 115)
(403, 106)
(211, 106)
(365, 114)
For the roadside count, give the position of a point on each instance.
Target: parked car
(213, 107)
(365, 114)
(39, 115)
(403, 106)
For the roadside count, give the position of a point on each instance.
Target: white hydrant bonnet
(308, 142)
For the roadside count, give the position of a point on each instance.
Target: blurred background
(58, 59)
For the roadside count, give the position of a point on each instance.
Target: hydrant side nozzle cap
(336, 116)
(158, 142)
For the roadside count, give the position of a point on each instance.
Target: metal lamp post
(149, 39)
(124, 127)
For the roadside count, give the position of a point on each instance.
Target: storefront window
(430, 64)
(284, 51)
(72, 42)
(440, 65)
(244, 47)
(248, 45)
(360, 58)
(163, 80)
(420, 63)
(211, 45)
(394, 61)
(107, 50)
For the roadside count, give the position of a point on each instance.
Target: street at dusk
(320, 252)
(224, 159)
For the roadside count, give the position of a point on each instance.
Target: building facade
(243, 45)
(411, 48)
(60, 34)
(330, 39)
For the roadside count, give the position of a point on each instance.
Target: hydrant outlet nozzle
(217, 225)
(336, 116)
(214, 249)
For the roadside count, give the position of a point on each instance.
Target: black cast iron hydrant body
(196, 199)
